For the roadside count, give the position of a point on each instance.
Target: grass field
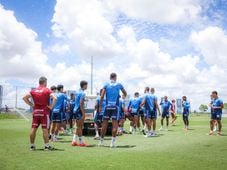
(174, 149)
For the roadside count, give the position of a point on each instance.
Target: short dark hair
(147, 89)
(59, 87)
(113, 75)
(83, 83)
(136, 93)
(215, 92)
(53, 87)
(42, 80)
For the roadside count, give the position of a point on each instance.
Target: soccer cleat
(83, 144)
(74, 143)
(96, 137)
(48, 148)
(211, 133)
(32, 148)
(161, 129)
(219, 133)
(101, 143)
(143, 131)
(112, 145)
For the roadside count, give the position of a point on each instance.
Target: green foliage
(203, 108)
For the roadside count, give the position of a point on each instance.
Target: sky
(176, 46)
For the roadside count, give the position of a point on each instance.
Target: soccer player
(186, 107)
(216, 106)
(111, 91)
(165, 104)
(173, 112)
(154, 113)
(98, 117)
(57, 112)
(41, 111)
(72, 115)
(142, 110)
(134, 106)
(121, 115)
(53, 89)
(79, 110)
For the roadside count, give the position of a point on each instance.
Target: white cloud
(211, 43)
(20, 53)
(161, 11)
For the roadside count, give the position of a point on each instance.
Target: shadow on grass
(121, 146)
(55, 149)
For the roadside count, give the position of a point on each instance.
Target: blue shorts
(56, 117)
(150, 114)
(111, 112)
(63, 116)
(216, 115)
(78, 114)
(121, 115)
(72, 115)
(185, 114)
(165, 114)
(98, 119)
(141, 112)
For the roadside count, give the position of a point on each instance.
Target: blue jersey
(71, 105)
(186, 105)
(134, 104)
(150, 102)
(217, 103)
(59, 106)
(112, 93)
(165, 104)
(80, 96)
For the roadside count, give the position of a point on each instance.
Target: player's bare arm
(101, 100)
(82, 109)
(54, 99)
(27, 100)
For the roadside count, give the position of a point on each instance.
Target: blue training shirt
(217, 103)
(134, 104)
(112, 93)
(166, 104)
(150, 102)
(59, 106)
(186, 105)
(80, 96)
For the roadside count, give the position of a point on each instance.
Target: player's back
(41, 97)
(61, 97)
(112, 93)
(149, 102)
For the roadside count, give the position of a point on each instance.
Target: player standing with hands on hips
(41, 111)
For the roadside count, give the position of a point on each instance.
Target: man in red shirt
(41, 111)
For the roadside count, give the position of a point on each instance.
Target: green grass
(174, 149)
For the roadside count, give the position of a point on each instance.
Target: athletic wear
(186, 107)
(216, 112)
(112, 100)
(121, 108)
(57, 112)
(165, 104)
(41, 98)
(134, 106)
(80, 96)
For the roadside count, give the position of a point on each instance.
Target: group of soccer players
(54, 111)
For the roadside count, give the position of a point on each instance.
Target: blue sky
(181, 42)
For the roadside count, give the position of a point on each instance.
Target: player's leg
(136, 118)
(219, 123)
(167, 121)
(45, 126)
(103, 131)
(114, 132)
(32, 138)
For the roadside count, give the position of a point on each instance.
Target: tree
(203, 107)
